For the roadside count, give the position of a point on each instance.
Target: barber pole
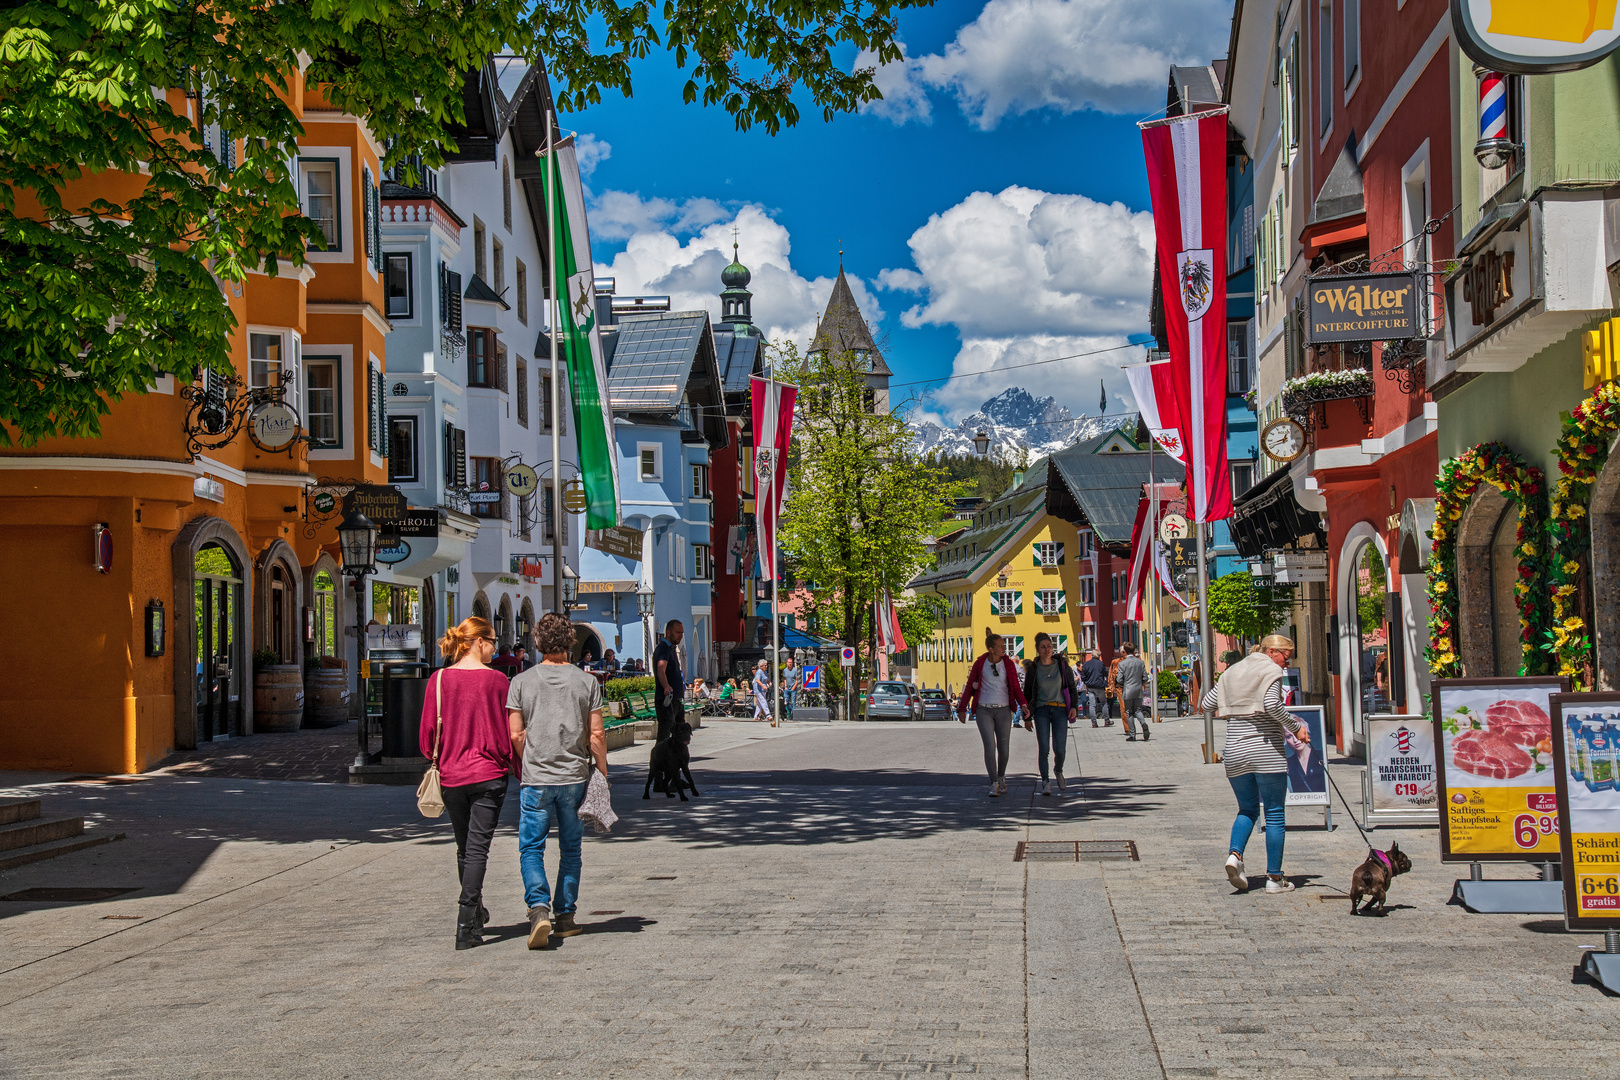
(1494, 147)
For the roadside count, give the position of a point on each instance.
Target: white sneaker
(994, 791)
(1234, 872)
(1275, 886)
(1046, 787)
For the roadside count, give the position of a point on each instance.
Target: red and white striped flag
(1155, 400)
(888, 625)
(1186, 165)
(773, 429)
(1147, 557)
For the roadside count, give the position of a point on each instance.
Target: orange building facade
(148, 570)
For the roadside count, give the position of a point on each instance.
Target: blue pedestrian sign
(812, 676)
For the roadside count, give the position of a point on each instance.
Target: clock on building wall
(1283, 440)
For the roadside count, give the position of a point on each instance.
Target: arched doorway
(213, 627)
(587, 645)
(503, 623)
(524, 633)
(1412, 562)
(1364, 640)
(1487, 570)
(323, 584)
(480, 608)
(280, 589)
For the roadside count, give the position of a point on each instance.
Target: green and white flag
(573, 281)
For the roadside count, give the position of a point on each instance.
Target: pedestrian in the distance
(1094, 675)
(993, 693)
(464, 725)
(762, 690)
(791, 677)
(1049, 687)
(1132, 678)
(671, 684)
(555, 715)
(1249, 697)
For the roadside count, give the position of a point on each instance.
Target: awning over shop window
(1267, 517)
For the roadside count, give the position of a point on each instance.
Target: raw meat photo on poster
(1590, 735)
(1497, 736)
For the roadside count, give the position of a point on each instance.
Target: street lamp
(644, 607)
(981, 443)
(357, 541)
(570, 587)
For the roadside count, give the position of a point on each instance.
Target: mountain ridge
(1017, 421)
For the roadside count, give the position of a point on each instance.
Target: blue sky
(991, 210)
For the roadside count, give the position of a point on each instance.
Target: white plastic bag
(598, 805)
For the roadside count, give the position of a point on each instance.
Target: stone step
(18, 810)
(41, 852)
(21, 834)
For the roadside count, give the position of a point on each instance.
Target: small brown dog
(1373, 877)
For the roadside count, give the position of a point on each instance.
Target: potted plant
(1170, 688)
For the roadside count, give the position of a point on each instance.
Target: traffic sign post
(846, 657)
(1173, 527)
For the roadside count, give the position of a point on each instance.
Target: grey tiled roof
(843, 328)
(1108, 487)
(738, 356)
(653, 359)
(1005, 517)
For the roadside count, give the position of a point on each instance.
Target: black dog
(1373, 877)
(670, 759)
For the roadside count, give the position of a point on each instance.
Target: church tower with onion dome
(736, 302)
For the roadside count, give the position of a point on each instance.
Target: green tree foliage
(101, 296)
(1370, 593)
(985, 477)
(1240, 607)
(860, 502)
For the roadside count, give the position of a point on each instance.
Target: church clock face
(1283, 440)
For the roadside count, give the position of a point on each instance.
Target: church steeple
(736, 302)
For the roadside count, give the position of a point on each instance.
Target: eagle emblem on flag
(764, 462)
(1196, 271)
(582, 299)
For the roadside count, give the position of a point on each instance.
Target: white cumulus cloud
(905, 98)
(591, 152)
(1020, 56)
(1026, 275)
(677, 251)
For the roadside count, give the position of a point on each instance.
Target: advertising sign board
(620, 540)
(1363, 307)
(1584, 732)
(273, 427)
(1399, 785)
(1531, 37)
(1496, 781)
(1307, 767)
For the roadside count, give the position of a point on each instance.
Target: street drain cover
(1075, 851)
(64, 895)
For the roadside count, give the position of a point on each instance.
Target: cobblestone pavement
(318, 755)
(841, 900)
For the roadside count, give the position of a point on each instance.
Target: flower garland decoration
(1583, 448)
(1488, 463)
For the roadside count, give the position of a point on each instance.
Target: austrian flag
(1186, 164)
(773, 431)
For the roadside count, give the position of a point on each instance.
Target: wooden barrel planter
(328, 691)
(278, 698)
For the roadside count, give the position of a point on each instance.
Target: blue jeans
(1051, 729)
(539, 806)
(789, 699)
(1251, 790)
(1091, 700)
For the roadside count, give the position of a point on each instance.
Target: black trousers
(474, 811)
(666, 714)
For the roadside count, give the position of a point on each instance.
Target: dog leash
(1349, 813)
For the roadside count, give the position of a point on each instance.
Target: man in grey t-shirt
(1132, 677)
(555, 712)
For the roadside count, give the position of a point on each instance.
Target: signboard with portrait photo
(1496, 778)
(1307, 765)
(1585, 730)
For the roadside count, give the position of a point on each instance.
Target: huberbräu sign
(1362, 307)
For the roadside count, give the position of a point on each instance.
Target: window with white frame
(480, 266)
(1352, 40)
(649, 461)
(397, 284)
(1324, 40)
(1006, 602)
(1242, 477)
(264, 360)
(1088, 591)
(1048, 553)
(404, 457)
(1086, 538)
(321, 203)
(700, 481)
(498, 255)
(520, 274)
(702, 562)
(1088, 637)
(323, 387)
(1050, 602)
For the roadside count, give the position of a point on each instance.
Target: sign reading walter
(1363, 307)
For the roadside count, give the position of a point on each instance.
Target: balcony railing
(1302, 393)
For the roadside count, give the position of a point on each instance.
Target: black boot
(469, 931)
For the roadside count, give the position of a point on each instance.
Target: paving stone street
(842, 900)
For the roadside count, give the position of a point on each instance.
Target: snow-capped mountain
(1016, 420)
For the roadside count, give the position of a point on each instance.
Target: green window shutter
(1063, 643)
(366, 212)
(1018, 602)
(1036, 550)
(1063, 603)
(1060, 553)
(995, 603)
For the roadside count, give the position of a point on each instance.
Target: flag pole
(556, 396)
(1153, 583)
(776, 572)
(1206, 644)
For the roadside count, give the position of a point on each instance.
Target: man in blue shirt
(671, 683)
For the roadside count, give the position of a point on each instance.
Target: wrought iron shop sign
(391, 513)
(1363, 307)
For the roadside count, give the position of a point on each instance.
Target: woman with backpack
(1050, 689)
(995, 696)
(465, 730)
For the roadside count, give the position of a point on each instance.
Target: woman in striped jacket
(1249, 697)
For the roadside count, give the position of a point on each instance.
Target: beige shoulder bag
(429, 799)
